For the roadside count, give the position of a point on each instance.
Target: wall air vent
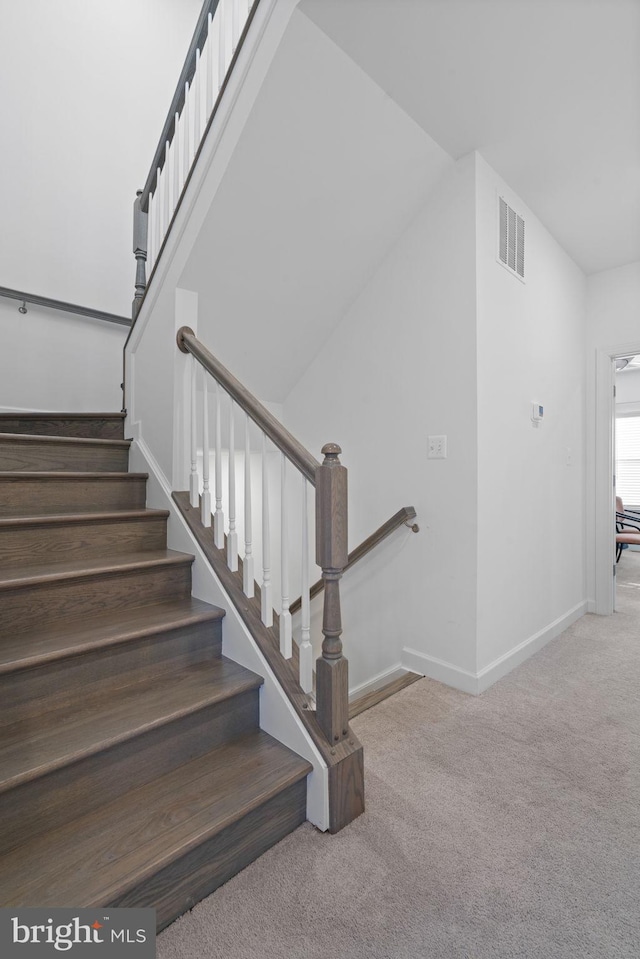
(510, 238)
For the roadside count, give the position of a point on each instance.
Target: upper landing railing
(219, 33)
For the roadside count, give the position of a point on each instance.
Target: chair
(627, 528)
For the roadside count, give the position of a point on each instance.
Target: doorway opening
(610, 365)
(602, 566)
(627, 473)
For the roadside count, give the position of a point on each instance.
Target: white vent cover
(510, 238)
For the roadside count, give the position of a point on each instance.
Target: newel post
(140, 252)
(332, 681)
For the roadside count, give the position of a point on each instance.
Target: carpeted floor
(499, 826)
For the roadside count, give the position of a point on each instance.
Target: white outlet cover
(437, 447)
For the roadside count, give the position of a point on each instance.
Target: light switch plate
(437, 447)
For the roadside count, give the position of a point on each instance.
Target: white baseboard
(504, 664)
(434, 668)
(476, 683)
(387, 676)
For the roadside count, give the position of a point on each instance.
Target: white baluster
(179, 148)
(205, 503)
(175, 150)
(266, 606)
(221, 15)
(159, 212)
(306, 650)
(151, 252)
(218, 518)
(228, 30)
(235, 24)
(186, 144)
(285, 615)
(168, 165)
(197, 82)
(247, 563)
(167, 195)
(214, 50)
(232, 536)
(194, 480)
(209, 99)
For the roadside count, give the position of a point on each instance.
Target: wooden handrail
(273, 428)
(177, 103)
(402, 518)
(52, 304)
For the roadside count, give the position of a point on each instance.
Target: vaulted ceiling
(365, 106)
(548, 91)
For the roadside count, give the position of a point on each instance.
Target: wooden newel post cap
(180, 337)
(330, 451)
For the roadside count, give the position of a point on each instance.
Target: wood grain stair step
(97, 723)
(108, 426)
(33, 595)
(40, 647)
(24, 493)
(25, 540)
(38, 574)
(46, 670)
(148, 745)
(25, 452)
(217, 812)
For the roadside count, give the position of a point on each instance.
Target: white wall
(86, 87)
(613, 300)
(531, 505)
(54, 361)
(399, 366)
(445, 340)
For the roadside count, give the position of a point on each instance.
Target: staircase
(133, 771)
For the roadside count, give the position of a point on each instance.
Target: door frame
(604, 492)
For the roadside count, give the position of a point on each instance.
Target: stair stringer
(277, 715)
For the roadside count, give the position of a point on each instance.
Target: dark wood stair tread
(26, 576)
(83, 475)
(97, 858)
(38, 492)
(62, 519)
(71, 441)
(59, 415)
(99, 425)
(65, 414)
(71, 638)
(65, 536)
(33, 748)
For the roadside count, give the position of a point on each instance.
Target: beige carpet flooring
(499, 826)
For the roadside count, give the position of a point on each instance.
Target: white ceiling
(548, 91)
